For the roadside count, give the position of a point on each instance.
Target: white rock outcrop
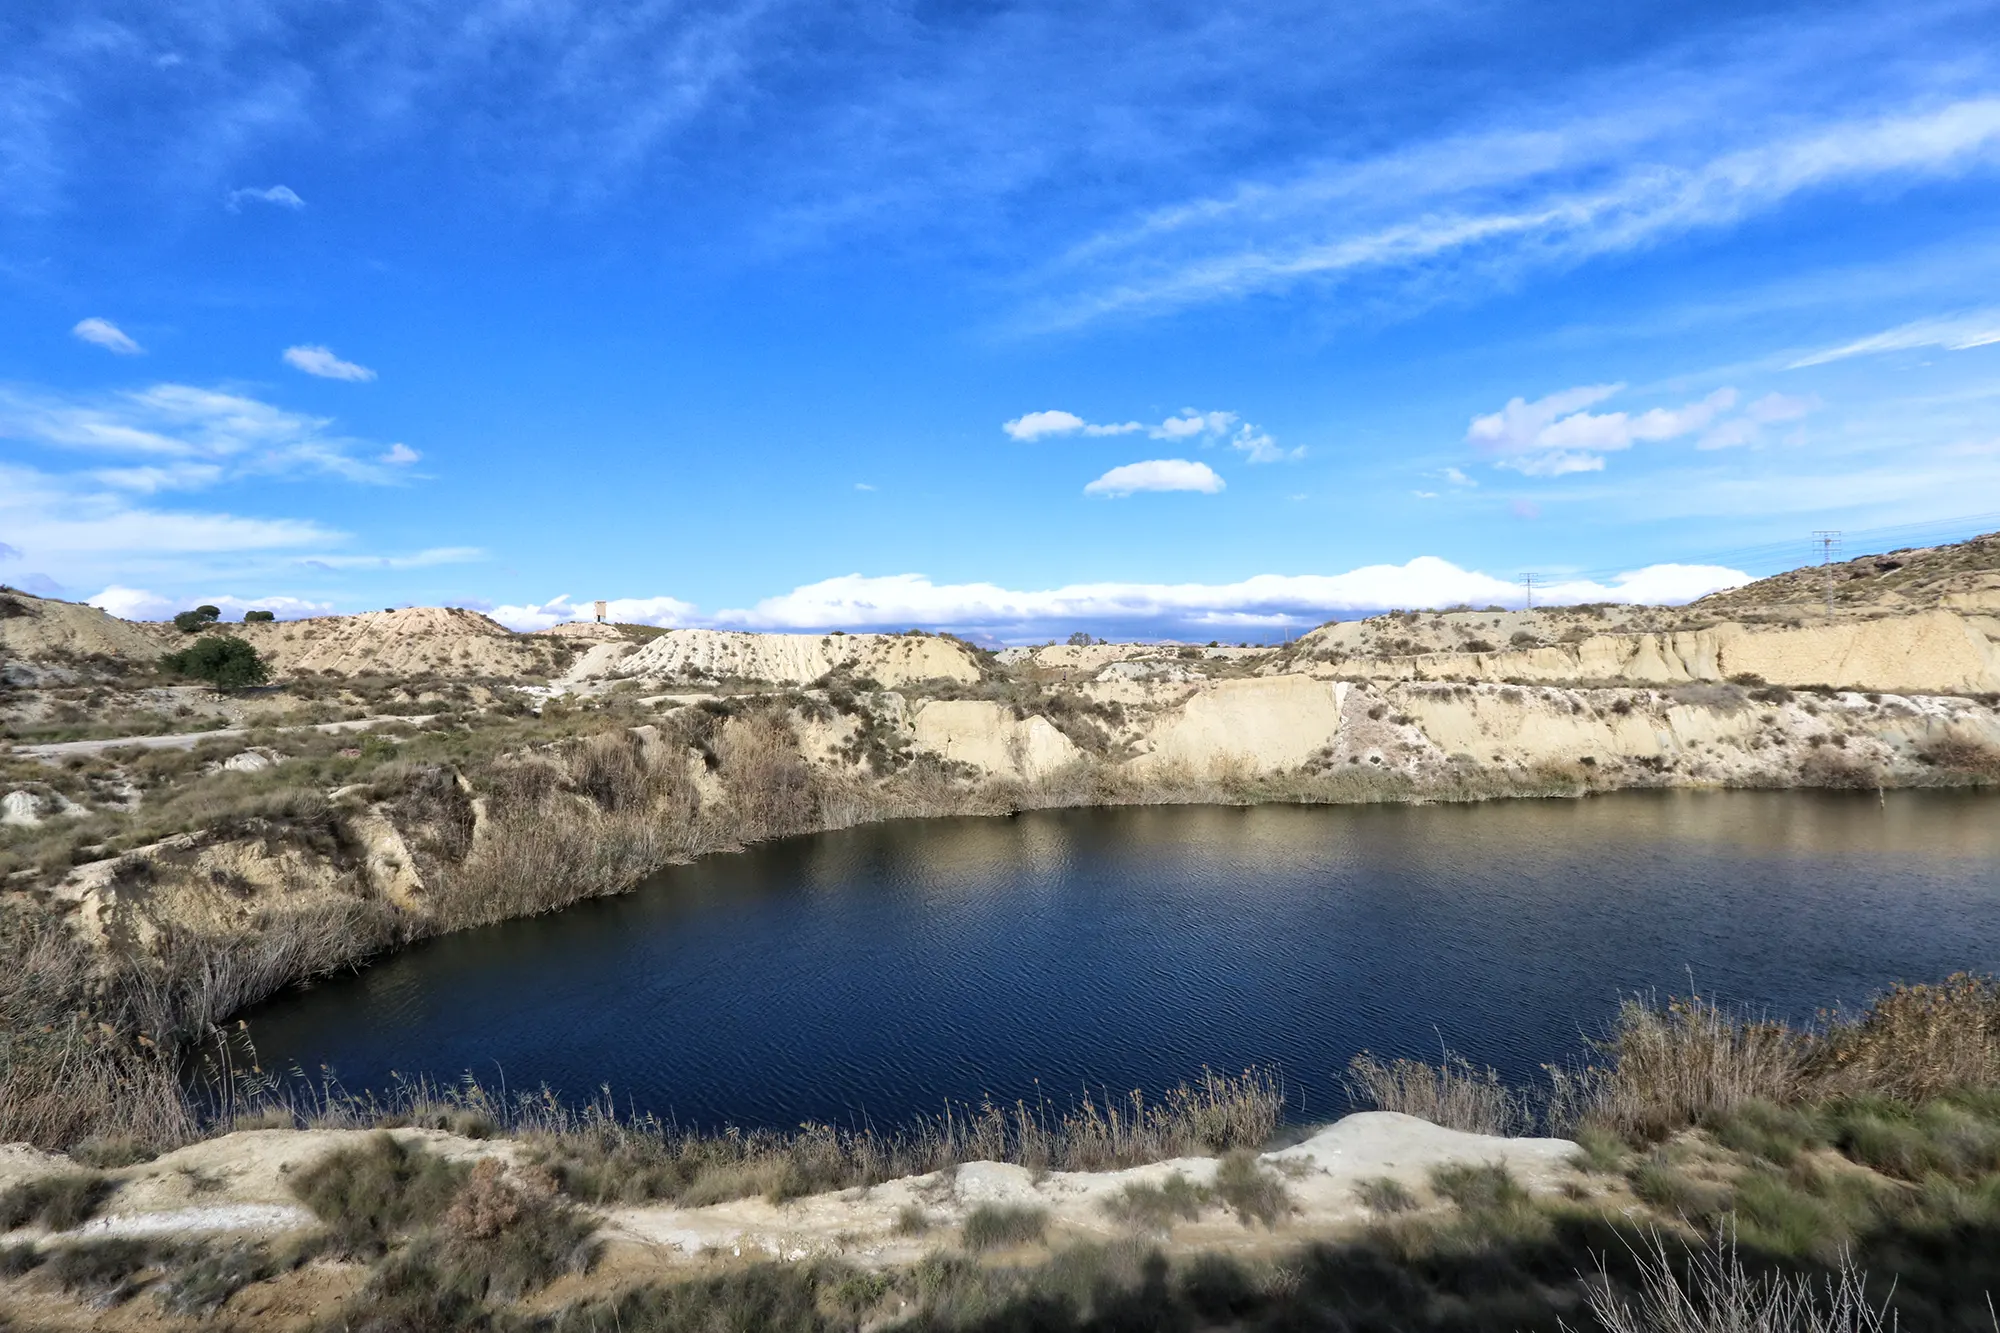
(989, 737)
(1257, 725)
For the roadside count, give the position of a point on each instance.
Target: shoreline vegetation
(1737, 1174)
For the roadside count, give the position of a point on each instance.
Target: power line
(1528, 587)
(1828, 542)
(1782, 555)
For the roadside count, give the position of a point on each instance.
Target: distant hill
(1961, 576)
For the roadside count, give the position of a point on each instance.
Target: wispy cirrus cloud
(1502, 201)
(1954, 333)
(103, 333)
(320, 361)
(188, 436)
(437, 555)
(278, 196)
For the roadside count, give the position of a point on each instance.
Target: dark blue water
(870, 974)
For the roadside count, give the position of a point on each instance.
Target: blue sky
(1203, 320)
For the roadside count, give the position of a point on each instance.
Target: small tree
(190, 622)
(259, 617)
(223, 660)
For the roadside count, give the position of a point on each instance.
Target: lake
(865, 976)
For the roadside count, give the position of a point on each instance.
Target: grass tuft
(1384, 1196)
(1156, 1207)
(366, 1196)
(1251, 1190)
(58, 1202)
(993, 1226)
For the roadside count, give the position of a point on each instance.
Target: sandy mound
(37, 628)
(415, 641)
(588, 630)
(798, 659)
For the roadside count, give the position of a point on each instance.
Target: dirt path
(187, 740)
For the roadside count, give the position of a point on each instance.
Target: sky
(1199, 321)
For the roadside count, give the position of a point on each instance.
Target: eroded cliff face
(1926, 652)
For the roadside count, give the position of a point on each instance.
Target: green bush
(226, 662)
(191, 622)
(259, 617)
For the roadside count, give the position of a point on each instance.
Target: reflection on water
(869, 974)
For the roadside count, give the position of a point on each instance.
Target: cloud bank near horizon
(1263, 606)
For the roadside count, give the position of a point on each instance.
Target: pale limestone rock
(990, 738)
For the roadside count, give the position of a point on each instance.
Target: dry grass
(1451, 1093)
(1712, 1291)
(598, 1158)
(1688, 1061)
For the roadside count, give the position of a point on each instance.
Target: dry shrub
(1916, 1042)
(1692, 1060)
(770, 784)
(195, 979)
(1834, 770)
(1452, 1093)
(64, 1076)
(1967, 758)
(501, 1240)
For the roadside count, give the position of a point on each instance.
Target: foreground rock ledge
(238, 1185)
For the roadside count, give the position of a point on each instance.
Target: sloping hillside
(40, 628)
(1961, 576)
(415, 641)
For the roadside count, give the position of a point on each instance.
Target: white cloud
(1955, 333)
(399, 455)
(139, 604)
(1554, 436)
(1425, 495)
(179, 421)
(8, 552)
(1158, 474)
(1457, 477)
(320, 361)
(103, 333)
(281, 196)
(1036, 425)
(1267, 600)
(863, 486)
(1259, 447)
(1187, 424)
(670, 612)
